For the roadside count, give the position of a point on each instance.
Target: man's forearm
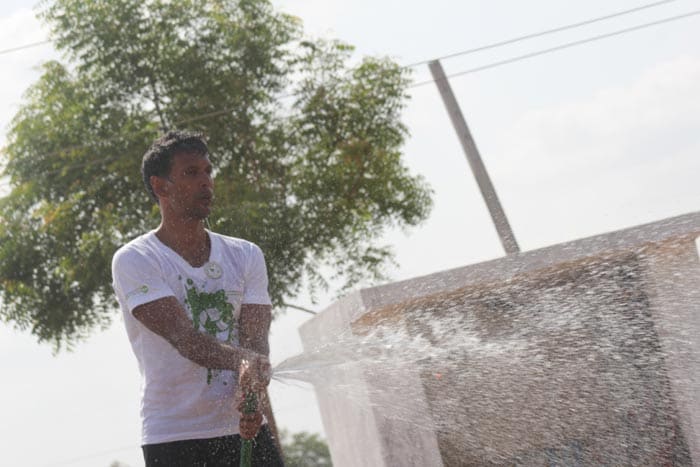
(207, 351)
(168, 319)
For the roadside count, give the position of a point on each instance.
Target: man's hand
(251, 421)
(255, 372)
(254, 376)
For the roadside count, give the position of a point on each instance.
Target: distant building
(582, 353)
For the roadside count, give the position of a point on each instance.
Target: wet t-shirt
(180, 399)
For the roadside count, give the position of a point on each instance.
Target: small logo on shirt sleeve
(139, 290)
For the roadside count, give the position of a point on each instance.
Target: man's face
(191, 188)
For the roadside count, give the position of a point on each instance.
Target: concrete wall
(566, 389)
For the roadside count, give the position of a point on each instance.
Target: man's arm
(254, 327)
(167, 318)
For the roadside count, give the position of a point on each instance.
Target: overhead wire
(473, 50)
(300, 308)
(513, 40)
(25, 46)
(495, 64)
(94, 455)
(561, 47)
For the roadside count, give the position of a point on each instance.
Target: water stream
(563, 369)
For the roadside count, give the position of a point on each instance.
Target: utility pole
(510, 245)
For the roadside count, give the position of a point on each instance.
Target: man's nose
(207, 181)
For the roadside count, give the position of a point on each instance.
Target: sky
(578, 142)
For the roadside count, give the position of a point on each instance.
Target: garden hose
(250, 405)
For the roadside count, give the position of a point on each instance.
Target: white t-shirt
(180, 399)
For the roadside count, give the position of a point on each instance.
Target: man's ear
(160, 186)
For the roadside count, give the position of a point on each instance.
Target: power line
(218, 113)
(300, 308)
(542, 33)
(94, 455)
(468, 51)
(560, 47)
(25, 46)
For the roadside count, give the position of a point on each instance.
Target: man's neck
(188, 239)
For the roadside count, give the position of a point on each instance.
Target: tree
(305, 450)
(307, 150)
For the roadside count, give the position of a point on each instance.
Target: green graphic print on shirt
(212, 314)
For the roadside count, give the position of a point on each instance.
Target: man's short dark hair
(158, 159)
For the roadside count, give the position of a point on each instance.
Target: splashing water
(565, 368)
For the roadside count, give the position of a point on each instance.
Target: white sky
(578, 142)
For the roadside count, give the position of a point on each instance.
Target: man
(197, 313)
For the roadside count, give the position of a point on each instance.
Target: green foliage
(305, 450)
(307, 150)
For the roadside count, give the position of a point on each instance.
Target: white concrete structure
(600, 360)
